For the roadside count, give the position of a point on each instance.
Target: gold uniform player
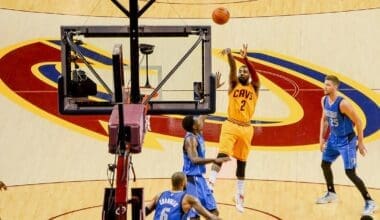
(237, 132)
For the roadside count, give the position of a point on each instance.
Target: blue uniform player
(340, 117)
(175, 204)
(194, 153)
(170, 205)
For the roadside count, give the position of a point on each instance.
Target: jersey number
(164, 214)
(334, 122)
(242, 106)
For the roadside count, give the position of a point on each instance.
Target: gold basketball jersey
(241, 103)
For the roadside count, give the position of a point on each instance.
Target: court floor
(264, 200)
(58, 172)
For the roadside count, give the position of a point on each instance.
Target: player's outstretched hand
(243, 51)
(322, 145)
(218, 79)
(222, 159)
(226, 51)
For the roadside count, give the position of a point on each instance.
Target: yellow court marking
(375, 97)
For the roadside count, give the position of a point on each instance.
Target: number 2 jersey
(242, 103)
(169, 206)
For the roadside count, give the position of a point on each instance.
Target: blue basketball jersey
(340, 125)
(189, 168)
(169, 206)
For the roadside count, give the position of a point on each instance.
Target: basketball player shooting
(237, 132)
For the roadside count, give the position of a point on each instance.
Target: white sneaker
(369, 208)
(327, 198)
(239, 202)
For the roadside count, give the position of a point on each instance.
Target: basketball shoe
(327, 198)
(369, 207)
(239, 202)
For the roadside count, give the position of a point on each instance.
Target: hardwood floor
(263, 200)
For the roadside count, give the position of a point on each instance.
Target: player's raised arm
(231, 61)
(219, 83)
(255, 81)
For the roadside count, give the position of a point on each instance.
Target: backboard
(174, 69)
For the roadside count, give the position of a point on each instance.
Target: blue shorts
(197, 187)
(344, 146)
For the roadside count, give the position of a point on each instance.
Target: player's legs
(240, 149)
(198, 188)
(191, 188)
(348, 153)
(228, 136)
(241, 152)
(370, 205)
(240, 175)
(328, 157)
(208, 197)
(328, 174)
(226, 142)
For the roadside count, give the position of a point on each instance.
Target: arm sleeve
(252, 71)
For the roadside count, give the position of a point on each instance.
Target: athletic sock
(240, 187)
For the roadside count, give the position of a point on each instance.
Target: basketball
(220, 15)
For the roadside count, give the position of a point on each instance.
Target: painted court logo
(29, 72)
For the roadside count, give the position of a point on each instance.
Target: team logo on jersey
(29, 71)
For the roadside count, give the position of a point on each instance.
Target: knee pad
(240, 169)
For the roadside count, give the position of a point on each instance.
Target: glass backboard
(174, 69)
